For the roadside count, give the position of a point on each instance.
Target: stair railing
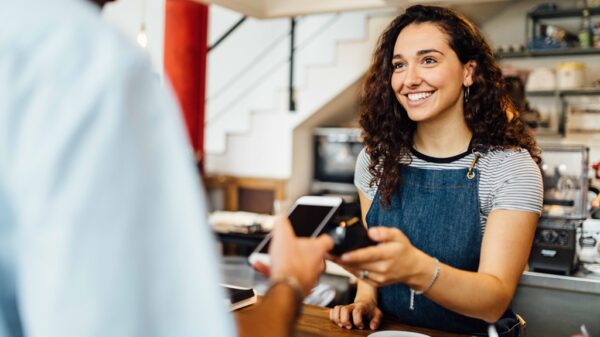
(271, 70)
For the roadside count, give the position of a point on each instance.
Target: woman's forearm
(365, 292)
(484, 294)
(473, 294)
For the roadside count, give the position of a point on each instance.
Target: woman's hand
(352, 315)
(393, 260)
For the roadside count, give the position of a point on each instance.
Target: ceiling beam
(264, 9)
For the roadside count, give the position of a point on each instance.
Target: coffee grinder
(564, 171)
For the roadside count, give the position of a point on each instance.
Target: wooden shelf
(562, 13)
(584, 131)
(565, 92)
(248, 193)
(546, 133)
(535, 17)
(549, 52)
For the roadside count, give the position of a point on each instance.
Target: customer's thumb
(325, 242)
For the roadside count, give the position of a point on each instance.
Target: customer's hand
(392, 260)
(353, 315)
(301, 258)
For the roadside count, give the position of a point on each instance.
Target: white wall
(328, 63)
(127, 16)
(249, 71)
(343, 110)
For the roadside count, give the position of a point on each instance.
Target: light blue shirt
(103, 230)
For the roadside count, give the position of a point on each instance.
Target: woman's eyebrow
(427, 51)
(420, 52)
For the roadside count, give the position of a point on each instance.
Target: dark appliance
(554, 248)
(335, 153)
(564, 171)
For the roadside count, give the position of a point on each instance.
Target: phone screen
(305, 220)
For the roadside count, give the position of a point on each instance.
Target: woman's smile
(418, 98)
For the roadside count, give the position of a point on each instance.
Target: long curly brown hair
(489, 113)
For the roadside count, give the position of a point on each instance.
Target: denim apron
(439, 212)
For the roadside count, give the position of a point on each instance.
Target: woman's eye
(398, 65)
(429, 60)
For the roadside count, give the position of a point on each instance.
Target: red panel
(186, 27)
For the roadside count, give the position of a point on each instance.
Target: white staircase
(248, 127)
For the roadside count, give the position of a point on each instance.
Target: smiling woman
(447, 180)
(428, 76)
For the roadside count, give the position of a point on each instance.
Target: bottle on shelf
(596, 43)
(585, 30)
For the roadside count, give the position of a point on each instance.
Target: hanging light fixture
(142, 38)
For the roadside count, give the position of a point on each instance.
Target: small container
(596, 42)
(569, 75)
(541, 78)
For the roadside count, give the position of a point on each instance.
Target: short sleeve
(362, 176)
(519, 184)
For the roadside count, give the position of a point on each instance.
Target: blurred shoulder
(70, 33)
(509, 157)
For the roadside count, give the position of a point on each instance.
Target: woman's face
(428, 76)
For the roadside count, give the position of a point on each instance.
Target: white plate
(397, 333)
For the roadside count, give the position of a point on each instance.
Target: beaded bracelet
(436, 274)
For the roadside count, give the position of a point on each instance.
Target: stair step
(320, 82)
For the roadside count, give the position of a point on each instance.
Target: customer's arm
(273, 316)
(295, 267)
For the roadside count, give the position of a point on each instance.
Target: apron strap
(471, 172)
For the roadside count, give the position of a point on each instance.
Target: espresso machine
(565, 175)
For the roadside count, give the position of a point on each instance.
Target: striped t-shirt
(509, 179)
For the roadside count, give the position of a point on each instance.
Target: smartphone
(309, 217)
(349, 235)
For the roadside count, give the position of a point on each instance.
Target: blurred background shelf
(573, 51)
(565, 92)
(561, 13)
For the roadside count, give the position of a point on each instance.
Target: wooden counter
(315, 322)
